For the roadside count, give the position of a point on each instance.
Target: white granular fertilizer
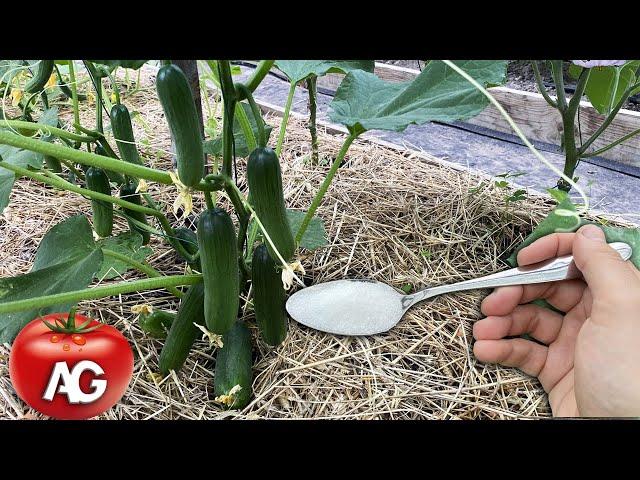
(347, 307)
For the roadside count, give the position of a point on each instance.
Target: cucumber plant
(229, 261)
(607, 84)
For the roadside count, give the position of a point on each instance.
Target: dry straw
(390, 216)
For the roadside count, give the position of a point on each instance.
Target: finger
(607, 274)
(528, 356)
(549, 246)
(562, 295)
(541, 323)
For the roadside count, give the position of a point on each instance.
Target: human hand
(588, 360)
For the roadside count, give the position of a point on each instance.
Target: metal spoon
(367, 307)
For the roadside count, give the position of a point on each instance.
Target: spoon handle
(553, 270)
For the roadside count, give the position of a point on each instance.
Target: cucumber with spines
(98, 181)
(220, 272)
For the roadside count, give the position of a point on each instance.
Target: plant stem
(516, 129)
(148, 270)
(257, 116)
(54, 180)
(253, 233)
(87, 131)
(229, 98)
(324, 187)
(85, 158)
(558, 79)
(236, 199)
(285, 118)
(74, 92)
(607, 121)
(572, 155)
(243, 120)
(611, 145)
(312, 83)
(208, 200)
(58, 132)
(541, 88)
(98, 292)
(261, 71)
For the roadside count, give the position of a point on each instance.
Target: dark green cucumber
(53, 164)
(128, 193)
(123, 133)
(220, 272)
(265, 183)
(115, 177)
(189, 240)
(180, 111)
(233, 367)
(98, 181)
(268, 297)
(157, 323)
(183, 332)
(40, 76)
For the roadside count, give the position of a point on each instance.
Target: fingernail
(592, 233)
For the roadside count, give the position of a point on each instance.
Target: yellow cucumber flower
(183, 199)
(215, 340)
(289, 273)
(144, 309)
(51, 82)
(229, 398)
(16, 96)
(142, 186)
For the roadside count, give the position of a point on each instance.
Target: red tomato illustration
(72, 368)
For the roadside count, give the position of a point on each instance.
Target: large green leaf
(315, 236)
(557, 221)
(365, 102)
(22, 158)
(607, 84)
(298, 70)
(561, 220)
(214, 147)
(127, 243)
(67, 260)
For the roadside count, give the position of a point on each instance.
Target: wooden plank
(535, 117)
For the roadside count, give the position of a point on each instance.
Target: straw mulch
(389, 216)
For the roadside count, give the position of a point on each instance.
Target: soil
(520, 77)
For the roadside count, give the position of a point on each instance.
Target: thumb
(602, 267)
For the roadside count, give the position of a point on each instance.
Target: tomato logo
(69, 371)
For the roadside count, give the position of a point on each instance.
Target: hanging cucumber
(115, 177)
(40, 76)
(128, 193)
(180, 111)
(123, 133)
(189, 240)
(268, 297)
(183, 332)
(220, 273)
(265, 183)
(98, 181)
(233, 376)
(157, 323)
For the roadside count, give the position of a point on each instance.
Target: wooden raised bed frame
(537, 119)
